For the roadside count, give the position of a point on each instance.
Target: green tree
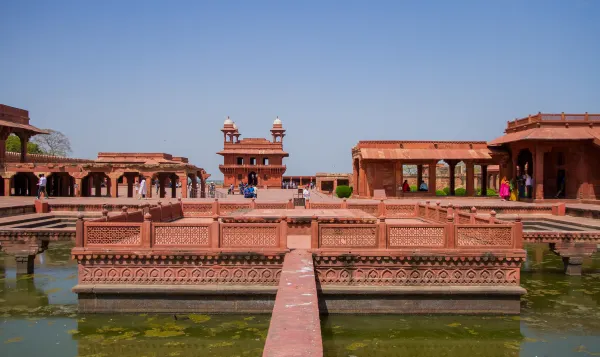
(13, 144)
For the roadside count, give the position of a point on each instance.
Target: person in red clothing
(405, 186)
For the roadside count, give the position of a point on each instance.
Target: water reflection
(560, 317)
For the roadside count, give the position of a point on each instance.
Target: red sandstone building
(255, 161)
(554, 149)
(80, 177)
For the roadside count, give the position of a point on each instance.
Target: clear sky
(150, 76)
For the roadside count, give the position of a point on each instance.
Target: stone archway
(525, 159)
(60, 184)
(24, 184)
(252, 178)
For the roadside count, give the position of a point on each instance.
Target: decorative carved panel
(181, 235)
(197, 209)
(119, 235)
(255, 269)
(370, 209)
(227, 208)
(331, 236)
(249, 235)
(423, 236)
(483, 236)
(415, 271)
(400, 210)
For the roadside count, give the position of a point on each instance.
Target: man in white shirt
(306, 193)
(528, 185)
(42, 186)
(142, 190)
(423, 186)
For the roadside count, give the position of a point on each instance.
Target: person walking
(504, 189)
(142, 189)
(42, 186)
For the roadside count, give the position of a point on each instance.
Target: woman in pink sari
(504, 189)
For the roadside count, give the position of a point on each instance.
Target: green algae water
(38, 317)
(560, 316)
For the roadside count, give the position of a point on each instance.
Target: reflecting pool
(38, 317)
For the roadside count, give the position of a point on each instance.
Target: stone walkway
(295, 328)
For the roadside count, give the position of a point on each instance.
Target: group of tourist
(291, 185)
(406, 186)
(512, 190)
(248, 191)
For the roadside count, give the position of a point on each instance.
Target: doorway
(252, 179)
(561, 184)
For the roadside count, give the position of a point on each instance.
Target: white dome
(234, 126)
(228, 121)
(277, 121)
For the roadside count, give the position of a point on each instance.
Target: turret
(230, 131)
(277, 131)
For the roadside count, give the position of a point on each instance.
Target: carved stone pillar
(451, 173)
(7, 186)
(184, 180)
(470, 178)
(420, 175)
(432, 177)
(484, 180)
(538, 175)
(78, 188)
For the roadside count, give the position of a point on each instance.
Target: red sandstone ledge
(215, 289)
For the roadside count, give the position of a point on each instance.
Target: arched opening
(524, 167)
(24, 184)
(252, 179)
(95, 184)
(60, 184)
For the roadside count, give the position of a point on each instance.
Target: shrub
(413, 188)
(490, 192)
(460, 192)
(343, 191)
(446, 191)
(440, 193)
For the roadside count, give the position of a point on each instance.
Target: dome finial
(228, 121)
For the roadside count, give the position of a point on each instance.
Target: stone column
(114, 186)
(98, 185)
(25, 263)
(78, 182)
(484, 180)
(451, 173)
(7, 186)
(432, 177)
(173, 186)
(420, 175)
(130, 181)
(362, 178)
(399, 178)
(195, 187)
(24, 141)
(183, 178)
(470, 178)
(538, 174)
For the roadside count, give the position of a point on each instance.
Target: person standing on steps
(42, 186)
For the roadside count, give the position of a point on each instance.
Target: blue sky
(150, 76)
